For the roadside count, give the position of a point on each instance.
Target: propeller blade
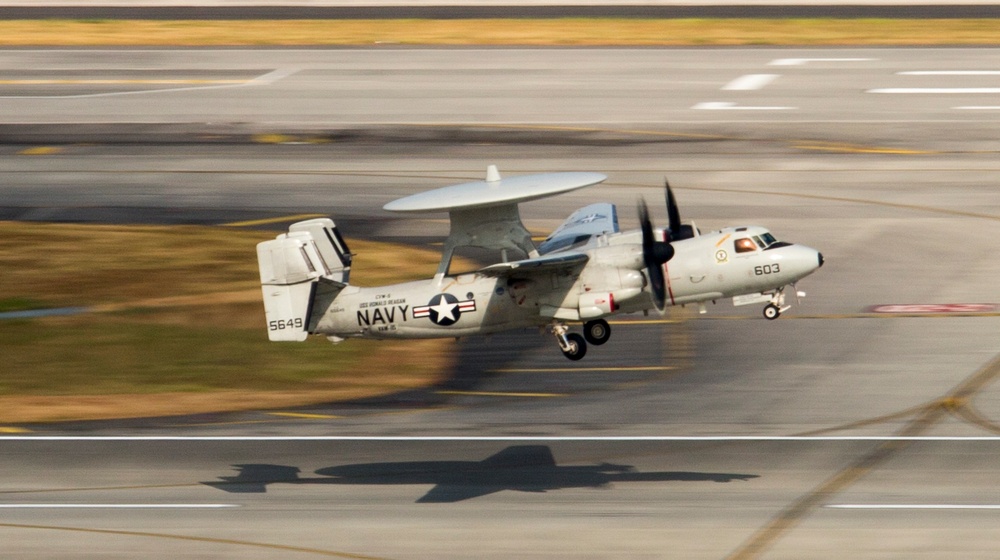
(673, 213)
(678, 230)
(654, 254)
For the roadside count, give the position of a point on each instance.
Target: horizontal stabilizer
(576, 231)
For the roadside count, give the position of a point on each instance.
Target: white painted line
(935, 90)
(913, 506)
(117, 506)
(750, 82)
(951, 73)
(506, 438)
(262, 80)
(729, 106)
(273, 76)
(802, 61)
(979, 108)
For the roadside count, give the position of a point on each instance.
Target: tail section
(310, 258)
(330, 246)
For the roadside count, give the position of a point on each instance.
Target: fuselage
(722, 264)
(733, 262)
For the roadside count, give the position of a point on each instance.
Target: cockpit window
(745, 245)
(768, 239)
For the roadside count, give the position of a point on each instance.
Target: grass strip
(179, 327)
(513, 32)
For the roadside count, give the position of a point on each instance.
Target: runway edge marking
(595, 439)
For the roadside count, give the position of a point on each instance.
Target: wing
(549, 263)
(580, 227)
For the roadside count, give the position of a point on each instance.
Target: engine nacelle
(600, 304)
(619, 256)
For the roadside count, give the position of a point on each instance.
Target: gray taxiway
(884, 159)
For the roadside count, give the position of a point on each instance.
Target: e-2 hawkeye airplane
(585, 271)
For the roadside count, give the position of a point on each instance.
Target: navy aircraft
(584, 272)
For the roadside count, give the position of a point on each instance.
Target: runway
(850, 427)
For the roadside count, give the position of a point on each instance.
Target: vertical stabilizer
(330, 245)
(292, 267)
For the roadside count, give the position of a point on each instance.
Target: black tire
(597, 332)
(578, 347)
(771, 312)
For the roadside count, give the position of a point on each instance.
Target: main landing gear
(574, 346)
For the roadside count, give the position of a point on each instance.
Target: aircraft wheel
(597, 332)
(577, 347)
(771, 312)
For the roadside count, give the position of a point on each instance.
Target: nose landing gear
(777, 306)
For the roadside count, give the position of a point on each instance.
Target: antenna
(492, 174)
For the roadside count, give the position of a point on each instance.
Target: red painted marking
(934, 308)
(670, 290)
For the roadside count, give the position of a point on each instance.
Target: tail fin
(330, 245)
(292, 268)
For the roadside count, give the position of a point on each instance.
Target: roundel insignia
(444, 309)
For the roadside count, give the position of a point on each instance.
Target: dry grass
(180, 328)
(119, 267)
(567, 32)
(393, 367)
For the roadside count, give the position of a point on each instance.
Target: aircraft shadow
(521, 468)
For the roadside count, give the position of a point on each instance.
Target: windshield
(767, 240)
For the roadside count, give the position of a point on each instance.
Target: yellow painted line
(305, 415)
(562, 370)
(927, 417)
(723, 240)
(13, 430)
(859, 149)
(647, 322)
(97, 82)
(40, 151)
(278, 220)
(273, 138)
(499, 394)
(202, 424)
(193, 538)
(855, 316)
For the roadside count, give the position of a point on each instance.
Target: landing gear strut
(572, 345)
(777, 306)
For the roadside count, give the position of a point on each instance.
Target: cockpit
(762, 240)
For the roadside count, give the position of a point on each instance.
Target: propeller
(678, 230)
(654, 253)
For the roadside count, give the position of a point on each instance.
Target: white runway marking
(750, 82)
(262, 80)
(117, 506)
(510, 438)
(950, 73)
(729, 106)
(913, 506)
(990, 90)
(802, 61)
